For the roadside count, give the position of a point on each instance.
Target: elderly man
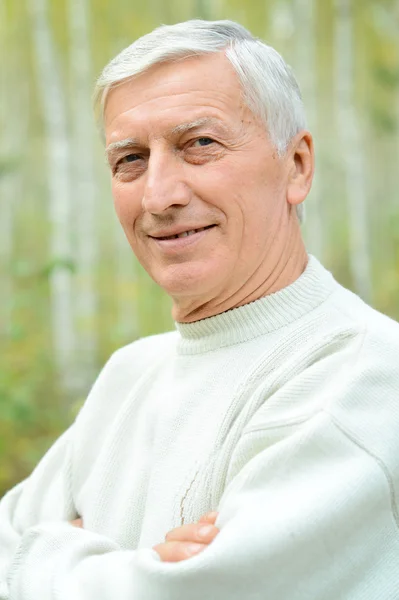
(276, 400)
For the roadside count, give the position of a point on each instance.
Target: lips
(184, 233)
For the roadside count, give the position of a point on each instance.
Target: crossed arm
(308, 518)
(183, 542)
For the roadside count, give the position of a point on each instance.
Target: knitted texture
(283, 415)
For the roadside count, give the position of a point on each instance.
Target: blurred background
(71, 291)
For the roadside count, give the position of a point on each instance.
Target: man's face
(187, 155)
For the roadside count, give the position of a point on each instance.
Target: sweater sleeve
(307, 518)
(40, 509)
(44, 496)
(46, 499)
(39, 548)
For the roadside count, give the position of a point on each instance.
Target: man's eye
(130, 158)
(203, 141)
(130, 165)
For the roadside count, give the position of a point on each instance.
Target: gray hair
(270, 89)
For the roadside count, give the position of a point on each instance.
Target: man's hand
(183, 542)
(186, 541)
(77, 523)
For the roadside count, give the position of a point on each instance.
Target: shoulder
(378, 348)
(365, 370)
(366, 407)
(121, 373)
(131, 361)
(140, 353)
(346, 353)
(373, 377)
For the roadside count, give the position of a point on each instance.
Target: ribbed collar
(262, 316)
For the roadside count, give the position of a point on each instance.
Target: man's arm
(45, 499)
(183, 542)
(308, 518)
(44, 496)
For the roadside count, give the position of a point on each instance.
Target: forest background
(71, 290)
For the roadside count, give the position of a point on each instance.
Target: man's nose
(165, 186)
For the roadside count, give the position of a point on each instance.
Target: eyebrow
(177, 130)
(127, 143)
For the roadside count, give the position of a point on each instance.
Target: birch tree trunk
(13, 127)
(351, 148)
(395, 191)
(85, 192)
(6, 213)
(204, 9)
(58, 174)
(305, 65)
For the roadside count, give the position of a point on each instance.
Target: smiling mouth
(184, 233)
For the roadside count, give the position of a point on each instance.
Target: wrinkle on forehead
(201, 122)
(206, 81)
(179, 130)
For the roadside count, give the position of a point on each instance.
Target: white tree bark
(305, 66)
(85, 191)
(351, 148)
(13, 127)
(385, 18)
(6, 212)
(281, 20)
(395, 191)
(205, 9)
(58, 180)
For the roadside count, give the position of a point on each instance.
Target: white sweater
(282, 414)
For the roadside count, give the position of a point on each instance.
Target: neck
(285, 262)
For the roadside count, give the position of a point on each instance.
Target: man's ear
(301, 167)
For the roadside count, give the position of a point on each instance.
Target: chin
(185, 281)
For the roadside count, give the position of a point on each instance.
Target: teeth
(184, 234)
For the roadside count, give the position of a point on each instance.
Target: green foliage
(29, 406)
(383, 121)
(7, 166)
(388, 77)
(57, 264)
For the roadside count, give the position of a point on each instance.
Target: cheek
(126, 203)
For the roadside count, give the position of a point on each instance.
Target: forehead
(170, 93)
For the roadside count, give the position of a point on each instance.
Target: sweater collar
(260, 317)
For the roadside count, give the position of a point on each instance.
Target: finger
(77, 523)
(194, 532)
(209, 517)
(178, 551)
